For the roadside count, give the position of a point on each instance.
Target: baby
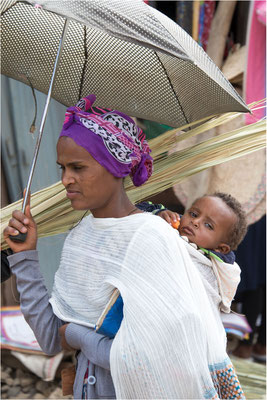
(214, 224)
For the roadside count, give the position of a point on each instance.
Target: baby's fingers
(165, 215)
(175, 217)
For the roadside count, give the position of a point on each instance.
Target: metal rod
(39, 138)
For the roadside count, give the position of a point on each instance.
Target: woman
(171, 343)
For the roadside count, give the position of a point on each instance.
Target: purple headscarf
(111, 137)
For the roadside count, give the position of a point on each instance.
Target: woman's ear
(223, 248)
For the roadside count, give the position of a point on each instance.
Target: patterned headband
(111, 137)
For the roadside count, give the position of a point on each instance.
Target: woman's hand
(171, 217)
(23, 223)
(64, 343)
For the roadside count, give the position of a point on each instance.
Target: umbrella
(131, 56)
(134, 58)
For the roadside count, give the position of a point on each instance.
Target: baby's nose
(196, 223)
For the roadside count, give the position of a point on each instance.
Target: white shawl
(220, 279)
(171, 336)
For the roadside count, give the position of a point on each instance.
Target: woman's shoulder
(146, 221)
(152, 226)
(144, 224)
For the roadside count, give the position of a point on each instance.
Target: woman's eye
(76, 167)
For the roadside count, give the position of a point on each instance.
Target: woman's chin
(79, 206)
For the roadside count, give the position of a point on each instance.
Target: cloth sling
(171, 343)
(227, 276)
(227, 279)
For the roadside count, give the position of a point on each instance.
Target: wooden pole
(196, 6)
(219, 30)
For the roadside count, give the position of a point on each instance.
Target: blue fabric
(112, 321)
(228, 258)
(251, 257)
(147, 206)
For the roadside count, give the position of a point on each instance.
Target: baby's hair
(240, 227)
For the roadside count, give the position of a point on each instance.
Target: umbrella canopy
(134, 58)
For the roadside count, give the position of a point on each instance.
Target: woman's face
(88, 184)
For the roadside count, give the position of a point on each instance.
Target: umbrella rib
(176, 95)
(85, 60)
(8, 8)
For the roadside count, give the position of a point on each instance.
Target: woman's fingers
(21, 223)
(63, 340)
(12, 230)
(18, 223)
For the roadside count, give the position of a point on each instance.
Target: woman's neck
(118, 207)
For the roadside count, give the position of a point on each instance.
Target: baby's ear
(223, 248)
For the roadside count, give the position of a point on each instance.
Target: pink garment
(255, 82)
(261, 11)
(209, 13)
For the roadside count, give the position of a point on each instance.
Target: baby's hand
(171, 217)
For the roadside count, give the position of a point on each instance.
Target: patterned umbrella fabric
(130, 55)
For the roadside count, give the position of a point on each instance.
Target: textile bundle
(171, 343)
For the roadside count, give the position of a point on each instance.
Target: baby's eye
(209, 225)
(193, 214)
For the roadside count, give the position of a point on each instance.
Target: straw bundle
(252, 377)
(52, 210)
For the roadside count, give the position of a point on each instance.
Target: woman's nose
(67, 178)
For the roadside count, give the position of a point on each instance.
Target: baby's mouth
(187, 231)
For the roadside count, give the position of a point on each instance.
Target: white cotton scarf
(227, 277)
(171, 333)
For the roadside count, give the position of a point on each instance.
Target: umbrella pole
(22, 237)
(39, 138)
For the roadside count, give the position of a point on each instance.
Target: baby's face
(207, 224)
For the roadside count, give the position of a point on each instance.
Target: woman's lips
(187, 230)
(72, 194)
